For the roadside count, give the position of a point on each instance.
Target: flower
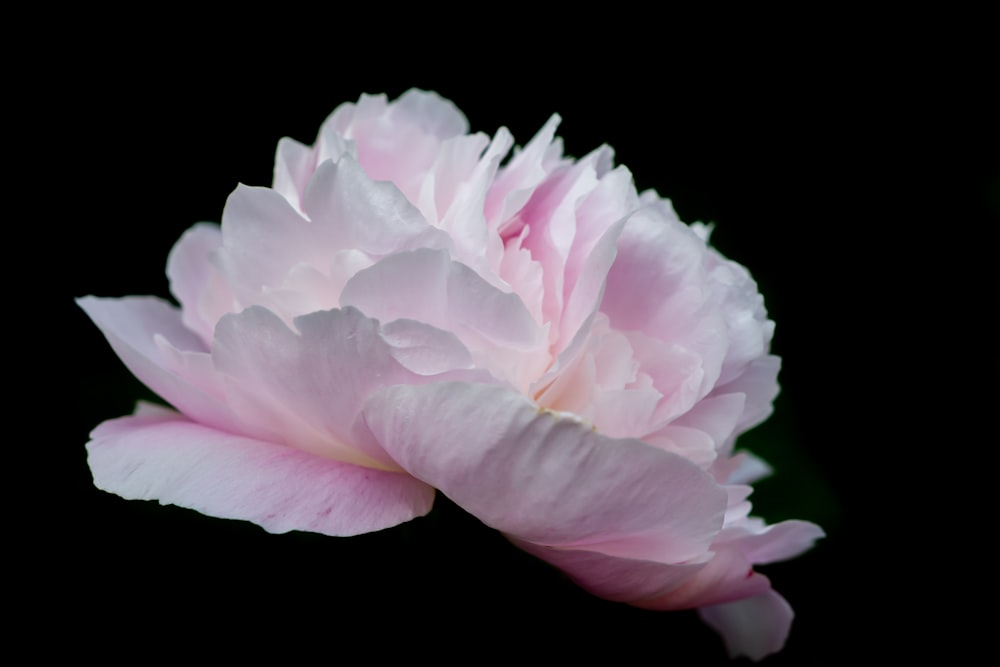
(404, 312)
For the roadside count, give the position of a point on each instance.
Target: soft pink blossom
(405, 311)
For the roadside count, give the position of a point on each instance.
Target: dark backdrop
(848, 188)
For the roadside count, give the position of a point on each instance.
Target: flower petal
(263, 238)
(545, 477)
(353, 211)
(762, 544)
(305, 388)
(726, 577)
(139, 330)
(754, 627)
(516, 181)
(426, 285)
(396, 142)
(759, 383)
(749, 330)
(196, 282)
(613, 578)
(168, 458)
(658, 285)
(293, 163)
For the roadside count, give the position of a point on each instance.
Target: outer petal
(754, 627)
(761, 544)
(619, 579)
(749, 330)
(546, 478)
(728, 576)
(139, 330)
(759, 382)
(165, 457)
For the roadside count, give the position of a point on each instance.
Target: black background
(858, 180)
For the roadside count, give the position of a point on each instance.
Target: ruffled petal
(550, 215)
(516, 181)
(658, 285)
(599, 221)
(163, 456)
(748, 328)
(456, 189)
(398, 142)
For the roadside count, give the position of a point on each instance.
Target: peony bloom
(404, 311)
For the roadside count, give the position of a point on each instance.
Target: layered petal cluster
(412, 307)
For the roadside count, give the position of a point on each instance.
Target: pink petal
(430, 112)
(587, 288)
(305, 389)
(626, 580)
(196, 282)
(353, 211)
(544, 477)
(427, 286)
(754, 627)
(742, 468)
(263, 238)
(759, 383)
(693, 444)
(523, 274)
(460, 211)
(551, 216)
(157, 456)
(727, 576)
(716, 415)
(700, 433)
(397, 142)
(602, 384)
(658, 285)
(762, 544)
(677, 372)
(454, 163)
(293, 165)
(599, 222)
(749, 330)
(141, 330)
(516, 181)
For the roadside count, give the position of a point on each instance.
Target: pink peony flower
(403, 311)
